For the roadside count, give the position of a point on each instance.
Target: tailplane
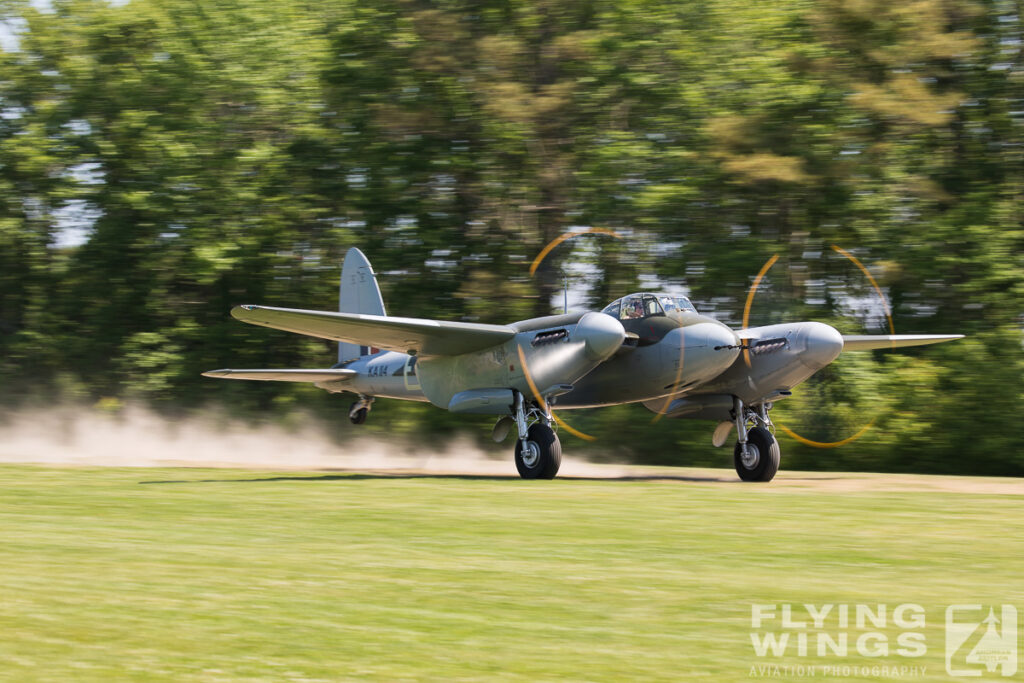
(359, 293)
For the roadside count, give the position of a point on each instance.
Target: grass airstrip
(185, 574)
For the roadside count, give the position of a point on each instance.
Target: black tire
(358, 417)
(763, 456)
(544, 463)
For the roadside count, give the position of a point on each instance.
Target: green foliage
(213, 153)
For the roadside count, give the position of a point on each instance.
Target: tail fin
(359, 293)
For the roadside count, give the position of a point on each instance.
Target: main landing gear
(757, 454)
(360, 409)
(538, 451)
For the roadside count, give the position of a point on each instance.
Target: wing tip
(241, 310)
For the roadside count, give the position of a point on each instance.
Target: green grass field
(197, 574)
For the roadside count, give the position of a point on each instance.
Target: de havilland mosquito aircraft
(649, 348)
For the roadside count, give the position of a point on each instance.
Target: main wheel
(359, 416)
(542, 456)
(762, 459)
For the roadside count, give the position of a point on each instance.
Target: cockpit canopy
(643, 305)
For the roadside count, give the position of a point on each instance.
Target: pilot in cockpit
(633, 309)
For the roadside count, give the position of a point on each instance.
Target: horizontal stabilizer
(867, 342)
(285, 375)
(425, 337)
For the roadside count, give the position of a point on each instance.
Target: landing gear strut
(757, 454)
(360, 409)
(538, 450)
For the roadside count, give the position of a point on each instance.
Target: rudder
(358, 293)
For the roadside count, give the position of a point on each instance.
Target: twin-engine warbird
(648, 348)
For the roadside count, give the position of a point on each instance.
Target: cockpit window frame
(657, 309)
(685, 305)
(613, 308)
(649, 306)
(664, 304)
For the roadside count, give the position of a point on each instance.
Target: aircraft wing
(750, 333)
(867, 342)
(425, 337)
(285, 375)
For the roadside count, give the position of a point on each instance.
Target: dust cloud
(136, 437)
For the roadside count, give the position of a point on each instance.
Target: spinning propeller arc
(664, 406)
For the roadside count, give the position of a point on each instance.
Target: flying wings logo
(980, 641)
(800, 640)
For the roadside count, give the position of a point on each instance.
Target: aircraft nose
(602, 335)
(823, 344)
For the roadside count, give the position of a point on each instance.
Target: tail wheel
(357, 417)
(761, 461)
(541, 455)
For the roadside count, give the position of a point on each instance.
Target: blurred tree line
(164, 160)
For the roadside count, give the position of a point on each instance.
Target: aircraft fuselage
(671, 353)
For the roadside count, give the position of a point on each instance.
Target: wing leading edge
(425, 337)
(867, 342)
(337, 375)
